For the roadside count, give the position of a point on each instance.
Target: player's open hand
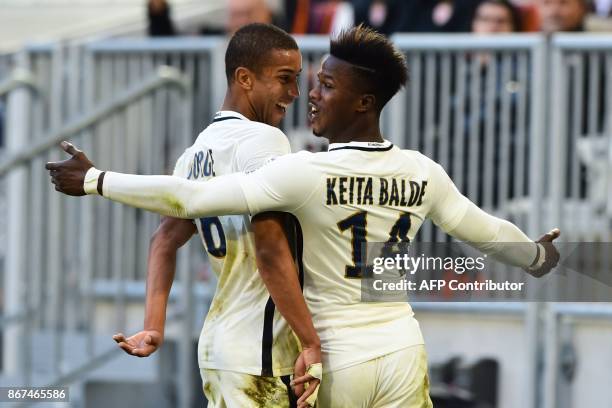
(552, 255)
(68, 176)
(141, 344)
(307, 375)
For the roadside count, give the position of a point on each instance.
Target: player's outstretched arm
(166, 195)
(462, 219)
(506, 242)
(171, 234)
(278, 271)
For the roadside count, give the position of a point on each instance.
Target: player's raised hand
(552, 255)
(141, 344)
(307, 375)
(68, 175)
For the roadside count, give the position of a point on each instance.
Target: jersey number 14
(357, 224)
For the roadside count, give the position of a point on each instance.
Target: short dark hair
(250, 45)
(515, 14)
(380, 66)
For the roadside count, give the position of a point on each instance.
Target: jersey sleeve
(448, 204)
(181, 168)
(282, 185)
(285, 184)
(173, 196)
(182, 165)
(258, 151)
(462, 219)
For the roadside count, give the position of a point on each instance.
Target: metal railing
(6, 62)
(49, 281)
(581, 120)
(117, 63)
(146, 136)
(16, 80)
(165, 76)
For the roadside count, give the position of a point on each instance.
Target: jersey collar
(366, 146)
(225, 115)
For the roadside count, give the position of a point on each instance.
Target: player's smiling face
(275, 86)
(333, 99)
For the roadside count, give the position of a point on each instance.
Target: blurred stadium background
(521, 121)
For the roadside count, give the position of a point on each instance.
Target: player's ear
(244, 78)
(366, 103)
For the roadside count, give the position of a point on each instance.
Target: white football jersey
(355, 193)
(243, 332)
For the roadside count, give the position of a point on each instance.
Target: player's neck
(240, 105)
(359, 131)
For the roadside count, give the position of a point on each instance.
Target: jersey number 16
(217, 248)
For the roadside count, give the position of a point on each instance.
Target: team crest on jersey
(202, 165)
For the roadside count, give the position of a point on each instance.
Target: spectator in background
(319, 16)
(240, 13)
(530, 20)
(562, 15)
(496, 16)
(415, 16)
(382, 15)
(443, 16)
(243, 12)
(160, 21)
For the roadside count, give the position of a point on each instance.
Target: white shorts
(229, 389)
(395, 380)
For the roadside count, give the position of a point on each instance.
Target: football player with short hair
(246, 350)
